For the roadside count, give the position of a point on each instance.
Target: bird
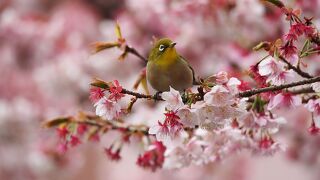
(166, 68)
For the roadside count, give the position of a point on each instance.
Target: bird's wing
(193, 75)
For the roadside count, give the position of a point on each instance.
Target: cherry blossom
(153, 158)
(268, 147)
(74, 140)
(112, 153)
(160, 130)
(170, 132)
(233, 85)
(221, 77)
(176, 158)
(107, 108)
(314, 107)
(269, 67)
(287, 100)
(173, 99)
(188, 116)
(218, 96)
(288, 50)
(316, 87)
(218, 117)
(281, 78)
(96, 94)
(116, 91)
(62, 132)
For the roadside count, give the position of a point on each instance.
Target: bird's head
(163, 50)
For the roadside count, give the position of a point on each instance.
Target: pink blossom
(268, 147)
(275, 72)
(74, 141)
(272, 124)
(316, 87)
(261, 80)
(161, 131)
(313, 129)
(298, 28)
(309, 31)
(96, 94)
(218, 96)
(153, 158)
(291, 36)
(170, 132)
(269, 67)
(281, 77)
(288, 50)
(196, 150)
(213, 117)
(293, 59)
(176, 158)
(284, 99)
(233, 85)
(81, 129)
(62, 147)
(95, 137)
(188, 116)
(265, 143)
(112, 154)
(262, 120)
(247, 120)
(244, 86)
(314, 107)
(115, 91)
(173, 99)
(62, 132)
(221, 77)
(301, 28)
(107, 108)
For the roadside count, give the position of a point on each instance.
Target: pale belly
(177, 75)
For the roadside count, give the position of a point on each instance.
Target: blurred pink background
(46, 67)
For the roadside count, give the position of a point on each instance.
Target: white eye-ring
(161, 47)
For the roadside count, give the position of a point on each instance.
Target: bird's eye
(161, 47)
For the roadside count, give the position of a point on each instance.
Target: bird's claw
(157, 96)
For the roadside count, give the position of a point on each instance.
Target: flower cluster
(221, 116)
(107, 105)
(214, 127)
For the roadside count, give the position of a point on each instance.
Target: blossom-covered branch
(219, 116)
(297, 70)
(121, 44)
(277, 88)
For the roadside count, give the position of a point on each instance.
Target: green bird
(167, 68)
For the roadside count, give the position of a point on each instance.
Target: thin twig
(245, 93)
(133, 51)
(141, 96)
(114, 126)
(303, 91)
(277, 88)
(297, 70)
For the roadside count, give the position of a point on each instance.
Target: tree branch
(104, 85)
(297, 70)
(277, 88)
(142, 96)
(133, 51)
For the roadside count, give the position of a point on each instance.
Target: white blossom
(107, 108)
(173, 99)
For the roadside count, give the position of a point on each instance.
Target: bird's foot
(157, 96)
(184, 97)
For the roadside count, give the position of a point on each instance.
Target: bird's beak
(172, 44)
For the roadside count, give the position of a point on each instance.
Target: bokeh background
(46, 66)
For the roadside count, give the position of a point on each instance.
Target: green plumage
(167, 68)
